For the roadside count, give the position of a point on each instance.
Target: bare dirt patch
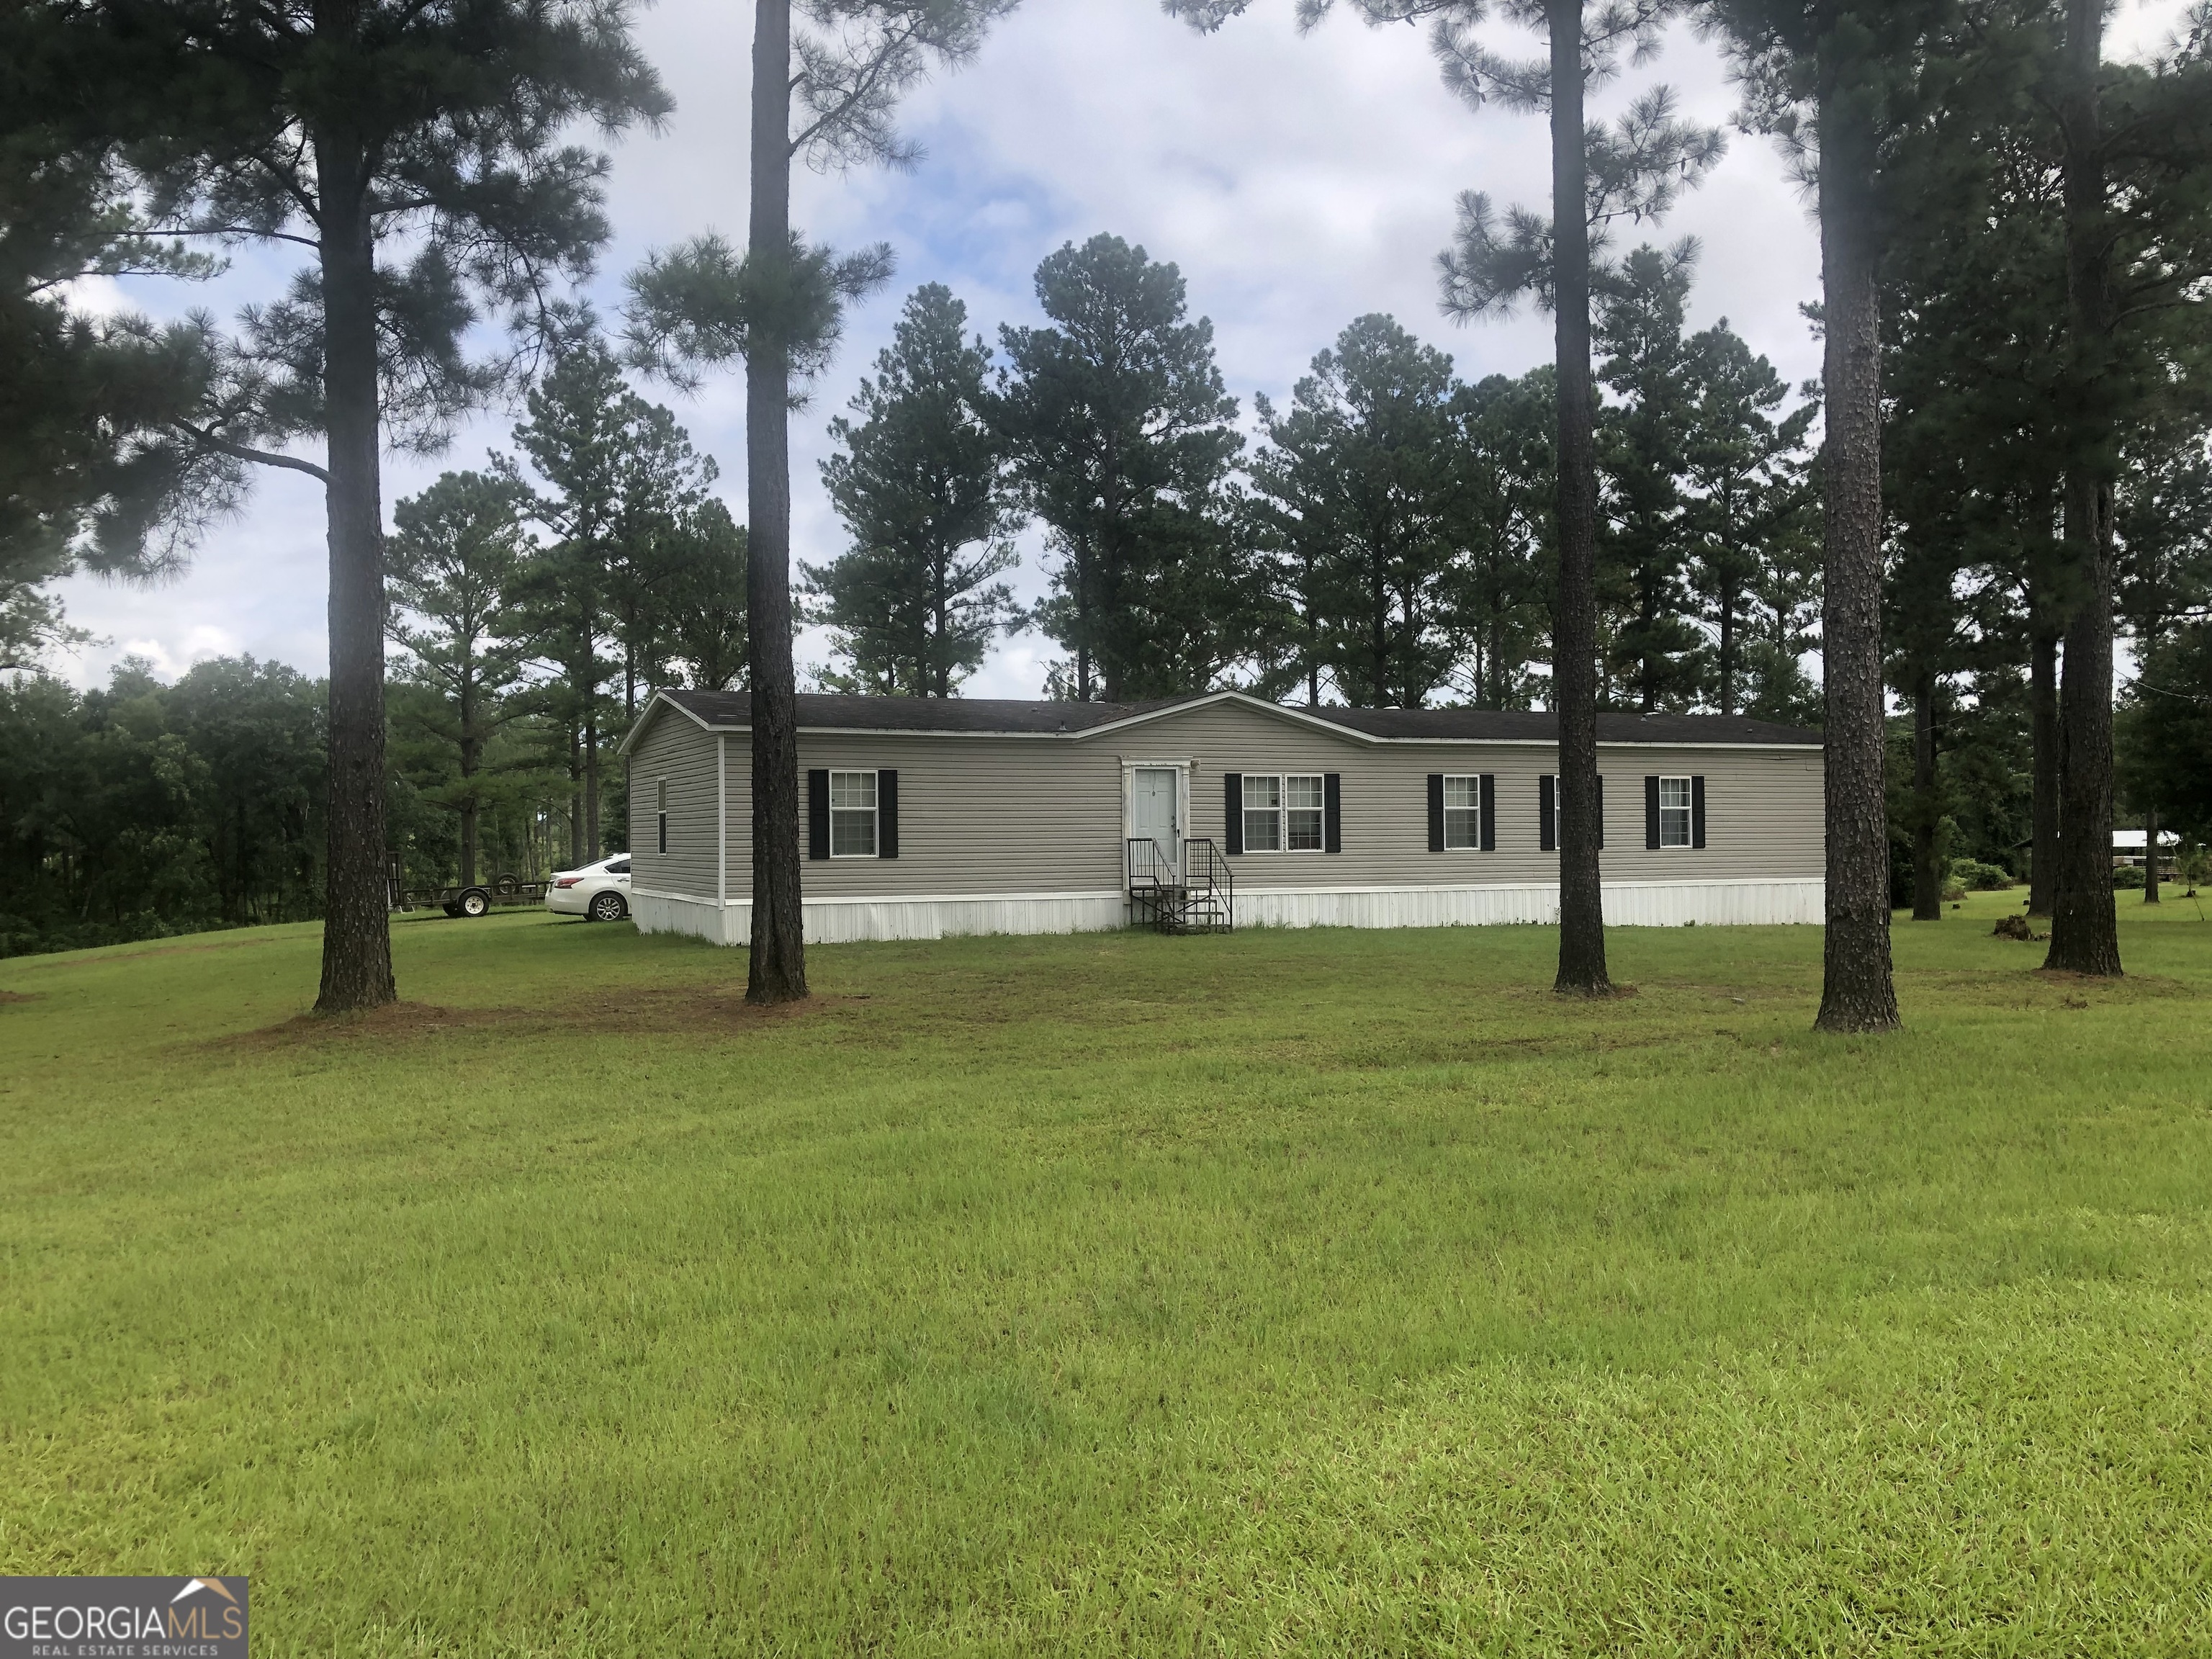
(19, 996)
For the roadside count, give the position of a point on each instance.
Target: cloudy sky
(1298, 182)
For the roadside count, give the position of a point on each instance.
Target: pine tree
(704, 601)
(95, 473)
(619, 475)
(1120, 432)
(1643, 541)
(919, 484)
(1360, 472)
(779, 308)
(1749, 515)
(451, 567)
(435, 125)
(1836, 78)
(1502, 494)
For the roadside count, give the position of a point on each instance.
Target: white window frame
(660, 813)
(873, 812)
(1281, 810)
(1472, 807)
(1684, 812)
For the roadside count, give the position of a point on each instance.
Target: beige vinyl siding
(1762, 806)
(977, 815)
(1030, 815)
(673, 747)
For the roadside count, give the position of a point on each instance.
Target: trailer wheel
(508, 885)
(474, 901)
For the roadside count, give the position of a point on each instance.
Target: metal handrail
(1206, 885)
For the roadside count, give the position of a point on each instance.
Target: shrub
(1980, 878)
(2128, 875)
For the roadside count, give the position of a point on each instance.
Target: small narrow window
(1673, 811)
(1306, 800)
(1263, 813)
(852, 815)
(660, 812)
(1463, 814)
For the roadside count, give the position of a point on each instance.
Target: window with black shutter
(817, 814)
(1547, 812)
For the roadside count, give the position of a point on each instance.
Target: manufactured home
(929, 816)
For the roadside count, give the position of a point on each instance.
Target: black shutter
(1436, 811)
(1651, 814)
(1547, 813)
(1332, 811)
(1601, 812)
(886, 815)
(1697, 811)
(818, 815)
(1490, 812)
(1232, 798)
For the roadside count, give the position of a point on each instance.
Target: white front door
(1153, 815)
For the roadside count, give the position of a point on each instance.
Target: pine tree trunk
(471, 761)
(593, 848)
(2084, 925)
(778, 970)
(2084, 919)
(1927, 876)
(2049, 753)
(357, 934)
(575, 798)
(1728, 650)
(1574, 627)
(1857, 993)
(2150, 857)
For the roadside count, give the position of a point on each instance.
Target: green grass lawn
(1320, 1291)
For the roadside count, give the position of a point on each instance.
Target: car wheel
(474, 901)
(607, 907)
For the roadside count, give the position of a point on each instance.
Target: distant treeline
(142, 810)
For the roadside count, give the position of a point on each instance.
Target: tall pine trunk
(2048, 761)
(1927, 874)
(1574, 627)
(2084, 925)
(356, 934)
(1856, 992)
(778, 970)
(593, 847)
(2150, 857)
(471, 764)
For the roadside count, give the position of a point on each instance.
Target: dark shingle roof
(1500, 725)
(835, 711)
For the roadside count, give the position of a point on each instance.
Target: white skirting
(1627, 904)
(844, 920)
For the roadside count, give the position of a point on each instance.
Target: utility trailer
(504, 890)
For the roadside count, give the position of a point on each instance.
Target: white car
(598, 892)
